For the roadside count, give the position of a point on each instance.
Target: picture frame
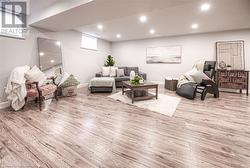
(231, 53)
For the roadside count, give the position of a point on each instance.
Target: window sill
(88, 49)
(13, 37)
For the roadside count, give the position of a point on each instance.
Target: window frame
(89, 36)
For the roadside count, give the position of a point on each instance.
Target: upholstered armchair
(40, 92)
(190, 89)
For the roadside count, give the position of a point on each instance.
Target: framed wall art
(230, 54)
(164, 55)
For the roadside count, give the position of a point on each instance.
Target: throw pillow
(113, 71)
(71, 81)
(36, 75)
(105, 71)
(120, 73)
(199, 76)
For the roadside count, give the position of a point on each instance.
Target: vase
(132, 75)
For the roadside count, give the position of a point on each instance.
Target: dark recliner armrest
(98, 74)
(143, 75)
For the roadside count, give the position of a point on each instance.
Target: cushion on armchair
(45, 89)
(35, 75)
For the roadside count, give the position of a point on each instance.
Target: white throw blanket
(186, 78)
(16, 89)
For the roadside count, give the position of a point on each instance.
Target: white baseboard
(158, 82)
(4, 105)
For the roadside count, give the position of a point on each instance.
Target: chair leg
(25, 99)
(217, 95)
(56, 97)
(204, 94)
(40, 103)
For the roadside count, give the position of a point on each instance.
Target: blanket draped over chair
(16, 88)
(185, 78)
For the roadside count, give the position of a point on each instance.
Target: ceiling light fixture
(41, 54)
(143, 19)
(118, 35)
(152, 31)
(100, 27)
(205, 7)
(195, 26)
(58, 43)
(52, 61)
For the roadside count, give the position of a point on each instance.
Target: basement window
(10, 32)
(89, 42)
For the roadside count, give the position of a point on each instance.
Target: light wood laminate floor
(96, 131)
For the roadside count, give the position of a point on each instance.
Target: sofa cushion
(129, 69)
(120, 72)
(113, 71)
(106, 71)
(124, 68)
(120, 79)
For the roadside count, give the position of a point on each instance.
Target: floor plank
(96, 131)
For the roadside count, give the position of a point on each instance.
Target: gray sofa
(127, 70)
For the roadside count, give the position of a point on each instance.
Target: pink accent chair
(40, 92)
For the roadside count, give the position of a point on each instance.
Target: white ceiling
(37, 5)
(167, 17)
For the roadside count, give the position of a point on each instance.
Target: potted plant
(229, 67)
(110, 61)
(137, 80)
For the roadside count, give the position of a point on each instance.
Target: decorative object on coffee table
(136, 80)
(132, 75)
(231, 53)
(171, 84)
(233, 79)
(140, 91)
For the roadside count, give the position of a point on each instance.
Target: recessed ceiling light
(205, 7)
(195, 26)
(41, 54)
(152, 31)
(100, 27)
(58, 43)
(143, 19)
(118, 35)
(52, 61)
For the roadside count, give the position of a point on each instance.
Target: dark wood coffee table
(139, 92)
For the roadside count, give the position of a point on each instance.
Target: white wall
(80, 62)
(194, 47)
